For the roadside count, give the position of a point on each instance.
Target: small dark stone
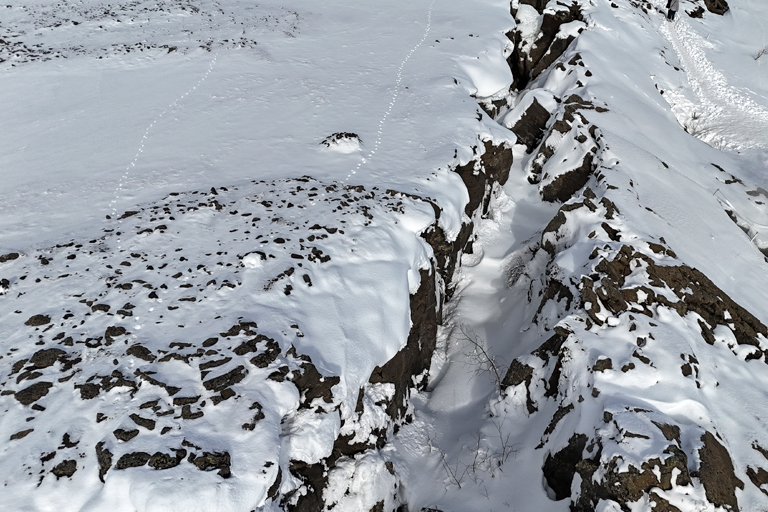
(226, 380)
(9, 257)
(265, 359)
(126, 435)
(160, 460)
(143, 422)
(113, 332)
(210, 342)
(33, 393)
(211, 461)
(104, 458)
(88, 390)
(279, 375)
(22, 434)
(37, 320)
(45, 358)
(65, 468)
(133, 460)
(66, 442)
(187, 414)
(602, 365)
(214, 364)
(184, 400)
(141, 352)
(717, 6)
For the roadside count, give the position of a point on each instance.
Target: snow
(174, 172)
(673, 200)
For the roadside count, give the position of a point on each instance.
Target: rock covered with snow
(538, 285)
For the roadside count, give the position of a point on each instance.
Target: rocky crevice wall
(408, 370)
(569, 306)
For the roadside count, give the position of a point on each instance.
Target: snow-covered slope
(432, 255)
(620, 336)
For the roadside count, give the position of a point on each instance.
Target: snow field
(395, 92)
(212, 184)
(173, 104)
(224, 241)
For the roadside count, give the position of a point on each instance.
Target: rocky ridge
(602, 321)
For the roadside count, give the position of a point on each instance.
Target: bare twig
(507, 448)
(452, 471)
(479, 358)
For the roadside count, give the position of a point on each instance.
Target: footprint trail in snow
(725, 117)
(393, 100)
(144, 138)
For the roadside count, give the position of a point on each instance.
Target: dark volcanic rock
(567, 184)
(528, 61)
(33, 393)
(126, 435)
(22, 434)
(531, 126)
(133, 460)
(45, 358)
(416, 356)
(88, 390)
(37, 320)
(717, 474)
(560, 467)
(268, 356)
(160, 460)
(65, 468)
(141, 352)
(211, 461)
(9, 257)
(143, 422)
(629, 486)
(311, 384)
(104, 457)
(478, 176)
(717, 6)
(230, 378)
(112, 332)
(251, 345)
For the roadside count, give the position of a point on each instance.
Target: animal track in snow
(124, 177)
(393, 100)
